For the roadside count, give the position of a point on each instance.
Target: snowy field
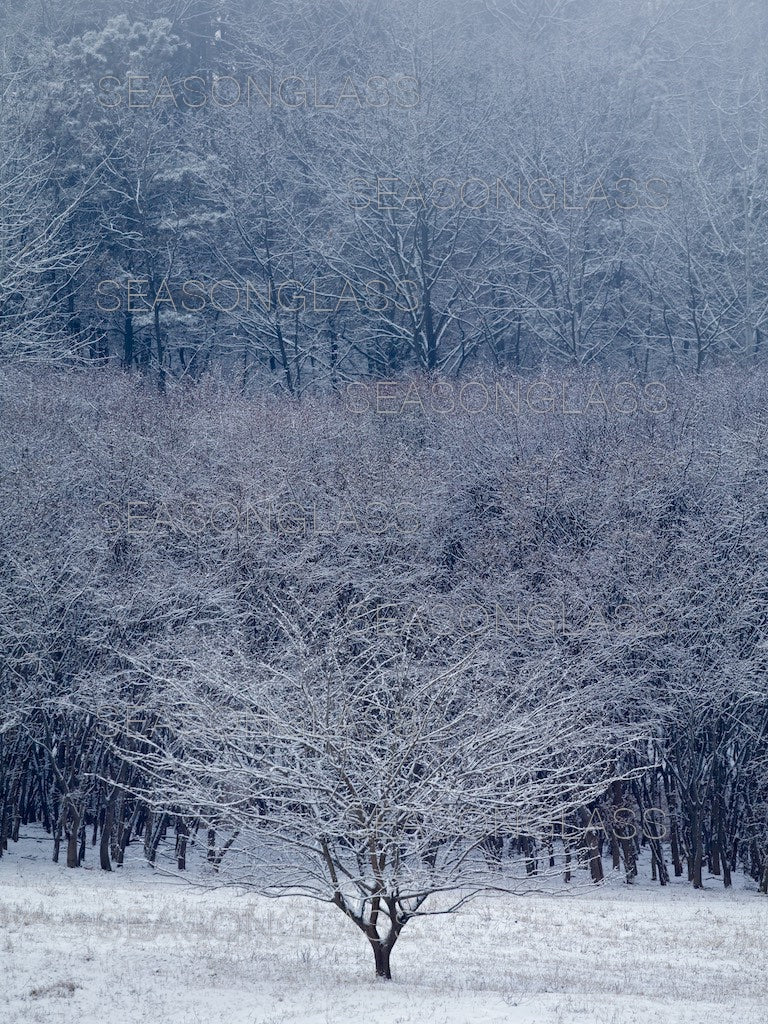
(135, 946)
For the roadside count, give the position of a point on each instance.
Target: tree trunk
(618, 801)
(128, 341)
(630, 861)
(182, 832)
(722, 848)
(73, 861)
(674, 831)
(657, 859)
(698, 849)
(106, 836)
(531, 860)
(714, 857)
(382, 952)
(57, 840)
(591, 848)
(674, 846)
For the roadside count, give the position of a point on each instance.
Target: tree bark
(106, 836)
(73, 861)
(698, 848)
(382, 952)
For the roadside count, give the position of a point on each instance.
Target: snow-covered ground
(88, 947)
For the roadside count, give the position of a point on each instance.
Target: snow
(136, 945)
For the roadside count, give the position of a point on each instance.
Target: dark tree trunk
(630, 861)
(382, 952)
(106, 837)
(531, 860)
(154, 836)
(57, 841)
(73, 860)
(615, 852)
(182, 832)
(698, 850)
(128, 341)
(723, 850)
(674, 828)
(592, 847)
(674, 846)
(657, 859)
(714, 857)
(618, 800)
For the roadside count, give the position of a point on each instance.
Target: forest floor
(137, 946)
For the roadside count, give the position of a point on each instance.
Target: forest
(299, 195)
(217, 608)
(383, 444)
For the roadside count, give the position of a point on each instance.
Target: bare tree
(358, 772)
